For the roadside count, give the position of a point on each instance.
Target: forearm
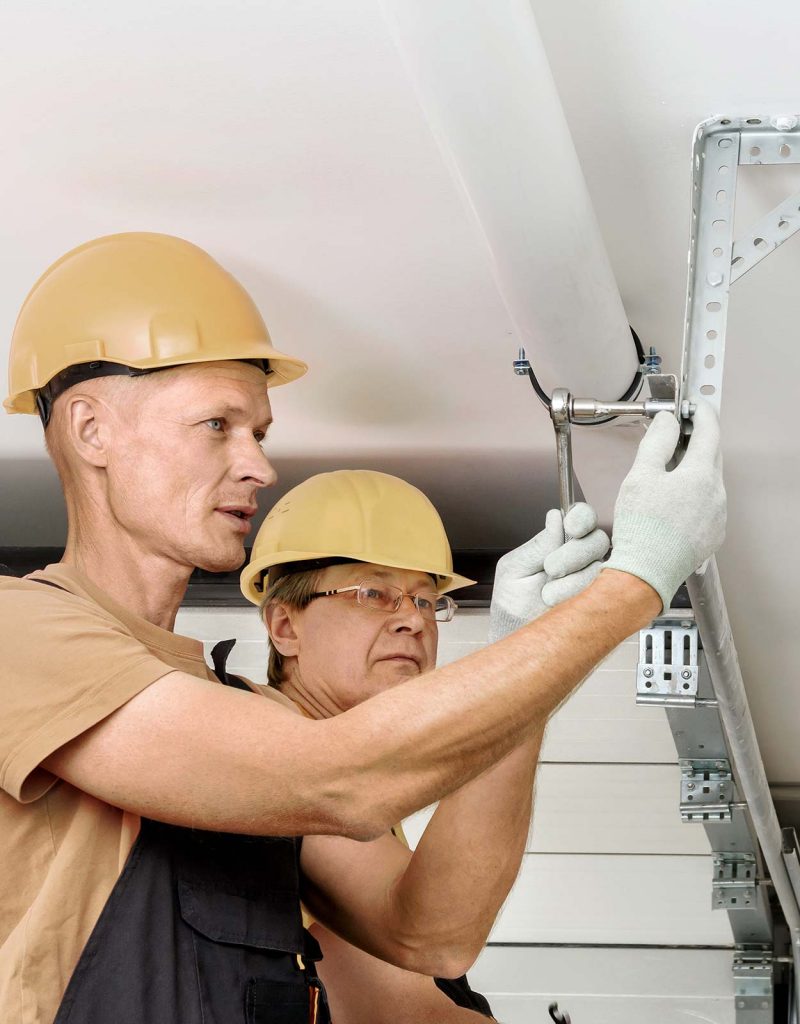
(234, 762)
(473, 844)
(409, 746)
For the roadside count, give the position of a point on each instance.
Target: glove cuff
(653, 550)
(503, 623)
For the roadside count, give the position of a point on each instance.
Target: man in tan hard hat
(351, 571)
(139, 794)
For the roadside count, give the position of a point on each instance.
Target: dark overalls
(201, 928)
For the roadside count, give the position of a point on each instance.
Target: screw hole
(719, 225)
(717, 251)
(713, 307)
(785, 150)
(711, 335)
(755, 150)
(708, 389)
(709, 362)
(783, 224)
(737, 261)
(754, 120)
(725, 143)
(722, 195)
(759, 243)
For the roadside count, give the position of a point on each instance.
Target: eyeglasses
(381, 597)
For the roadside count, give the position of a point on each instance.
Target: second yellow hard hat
(354, 514)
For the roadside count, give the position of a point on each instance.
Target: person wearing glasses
(151, 809)
(350, 571)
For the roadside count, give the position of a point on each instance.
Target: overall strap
(219, 658)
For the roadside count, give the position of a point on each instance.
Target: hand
(667, 523)
(544, 571)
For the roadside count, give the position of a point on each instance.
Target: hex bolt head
(715, 278)
(686, 674)
(784, 124)
(648, 672)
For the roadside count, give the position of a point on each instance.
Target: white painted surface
(604, 808)
(601, 898)
(608, 986)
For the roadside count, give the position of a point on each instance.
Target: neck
(146, 583)
(314, 707)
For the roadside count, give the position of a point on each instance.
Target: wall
(609, 862)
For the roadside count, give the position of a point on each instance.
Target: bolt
(686, 674)
(521, 364)
(690, 785)
(715, 278)
(647, 673)
(784, 124)
(652, 361)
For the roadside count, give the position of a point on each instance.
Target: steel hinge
(667, 673)
(753, 979)
(735, 882)
(706, 790)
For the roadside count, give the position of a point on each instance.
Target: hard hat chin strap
(80, 372)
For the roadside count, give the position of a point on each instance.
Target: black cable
(635, 386)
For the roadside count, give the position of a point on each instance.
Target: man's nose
(408, 617)
(254, 467)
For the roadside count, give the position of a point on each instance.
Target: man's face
(186, 463)
(347, 652)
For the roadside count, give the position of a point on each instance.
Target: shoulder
(276, 696)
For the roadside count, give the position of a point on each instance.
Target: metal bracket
(668, 672)
(735, 882)
(706, 790)
(753, 978)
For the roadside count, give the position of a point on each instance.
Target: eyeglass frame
(452, 606)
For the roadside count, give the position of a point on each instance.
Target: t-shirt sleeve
(67, 665)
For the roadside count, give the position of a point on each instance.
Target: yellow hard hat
(358, 515)
(138, 300)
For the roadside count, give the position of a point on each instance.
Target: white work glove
(545, 570)
(666, 524)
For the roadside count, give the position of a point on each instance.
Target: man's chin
(221, 561)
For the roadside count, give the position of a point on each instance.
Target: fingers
(554, 528)
(528, 558)
(580, 520)
(556, 591)
(575, 555)
(704, 447)
(658, 445)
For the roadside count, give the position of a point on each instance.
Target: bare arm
(413, 909)
(362, 988)
(194, 753)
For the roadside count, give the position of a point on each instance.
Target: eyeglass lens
(385, 598)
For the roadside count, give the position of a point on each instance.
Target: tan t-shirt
(68, 661)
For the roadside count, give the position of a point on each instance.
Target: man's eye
(424, 603)
(216, 424)
(260, 436)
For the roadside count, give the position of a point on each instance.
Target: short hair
(296, 590)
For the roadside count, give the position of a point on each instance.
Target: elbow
(443, 961)
(357, 815)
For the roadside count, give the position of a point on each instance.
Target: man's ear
(279, 620)
(84, 427)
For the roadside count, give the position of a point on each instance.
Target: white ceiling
(384, 178)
